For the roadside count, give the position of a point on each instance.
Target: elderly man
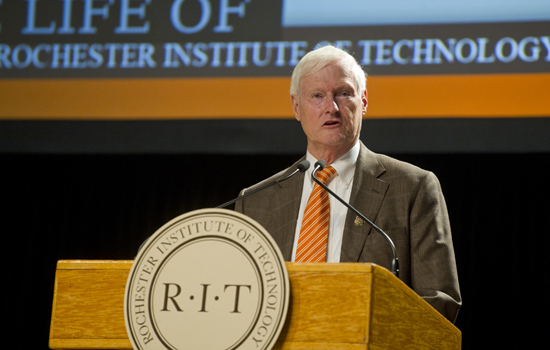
(329, 98)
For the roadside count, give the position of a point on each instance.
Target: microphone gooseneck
(300, 168)
(320, 165)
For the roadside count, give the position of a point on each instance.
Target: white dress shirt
(341, 184)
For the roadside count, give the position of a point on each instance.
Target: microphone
(302, 167)
(320, 165)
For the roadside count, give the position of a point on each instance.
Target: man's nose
(332, 105)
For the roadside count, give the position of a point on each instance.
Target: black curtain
(103, 207)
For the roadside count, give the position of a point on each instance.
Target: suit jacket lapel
(287, 195)
(367, 195)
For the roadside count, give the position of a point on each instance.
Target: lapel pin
(359, 221)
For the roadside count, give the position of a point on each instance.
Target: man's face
(330, 109)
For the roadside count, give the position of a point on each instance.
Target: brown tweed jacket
(402, 199)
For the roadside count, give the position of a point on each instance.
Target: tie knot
(325, 174)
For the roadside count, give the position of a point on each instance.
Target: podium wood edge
(107, 344)
(94, 264)
(52, 319)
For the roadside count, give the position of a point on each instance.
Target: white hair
(318, 59)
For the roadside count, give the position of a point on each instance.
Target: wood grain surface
(332, 306)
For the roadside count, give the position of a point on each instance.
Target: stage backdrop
(209, 76)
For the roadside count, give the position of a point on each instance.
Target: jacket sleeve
(433, 268)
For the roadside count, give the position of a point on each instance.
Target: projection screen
(212, 76)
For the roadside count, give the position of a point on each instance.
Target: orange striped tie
(312, 243)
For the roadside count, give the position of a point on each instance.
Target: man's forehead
(331, 75)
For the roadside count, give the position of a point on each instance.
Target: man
(329, 98)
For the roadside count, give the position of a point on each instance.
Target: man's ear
(365, 100)
(294, 101)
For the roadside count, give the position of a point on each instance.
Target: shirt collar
(345, 165)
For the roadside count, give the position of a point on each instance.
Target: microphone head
(303, 166)
(321, 164)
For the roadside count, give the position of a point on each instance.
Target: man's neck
(329, 155)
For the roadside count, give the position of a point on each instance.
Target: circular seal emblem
(208, 279)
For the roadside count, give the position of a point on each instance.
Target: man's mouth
(331, 122)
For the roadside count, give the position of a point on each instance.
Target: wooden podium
(332, 306)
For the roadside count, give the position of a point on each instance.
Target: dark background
(102, 206)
